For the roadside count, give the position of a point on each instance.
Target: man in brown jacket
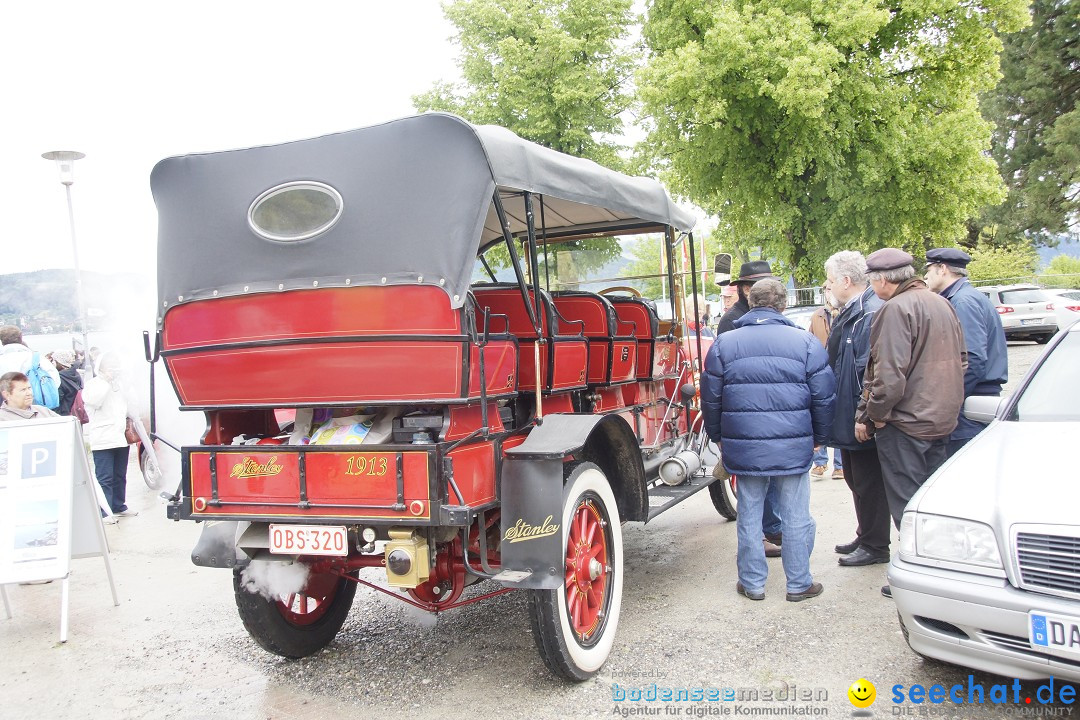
(914, 382)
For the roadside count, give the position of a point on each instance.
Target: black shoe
(759, 595)
(886, 591)
(813, 591)
(848, 548)
(775, 538)
(862, 556)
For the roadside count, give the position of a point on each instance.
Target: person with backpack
(42, 375)
(71, 384)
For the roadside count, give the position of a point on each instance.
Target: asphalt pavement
(175, 648)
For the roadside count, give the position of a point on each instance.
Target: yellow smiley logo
(862, 693)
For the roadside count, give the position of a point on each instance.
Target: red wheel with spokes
(574, 626)
(298, 624)
(311, 604)
(586, 568)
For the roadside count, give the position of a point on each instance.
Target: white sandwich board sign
(48, 506)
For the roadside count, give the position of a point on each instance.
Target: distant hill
(45, 300)
(1067, 245)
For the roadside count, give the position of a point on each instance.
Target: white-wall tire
(566, 650)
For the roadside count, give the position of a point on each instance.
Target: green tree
(1036, 139)
(1015, 262)
(556, 72)
(819, 126)
(1063, 265)
(1062, 272)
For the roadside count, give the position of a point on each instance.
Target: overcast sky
(129, 83)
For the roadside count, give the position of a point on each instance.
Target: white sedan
(988, 571)
(1066, 306)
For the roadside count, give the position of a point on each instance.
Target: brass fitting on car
(407, 559)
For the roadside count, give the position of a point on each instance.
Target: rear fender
(532, 489)
(217, 545)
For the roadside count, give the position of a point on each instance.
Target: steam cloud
(274, 580)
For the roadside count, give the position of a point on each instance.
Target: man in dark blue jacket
(768, 395)
(750, 273)
(984, 338)
(849, 348)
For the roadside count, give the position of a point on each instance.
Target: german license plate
(1055, 634)
(309, 540)
(1031, 321)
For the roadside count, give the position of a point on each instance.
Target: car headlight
(948, 539)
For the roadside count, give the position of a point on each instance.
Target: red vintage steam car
(427, 347)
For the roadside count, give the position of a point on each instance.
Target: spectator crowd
(881, 378)
(35, 385)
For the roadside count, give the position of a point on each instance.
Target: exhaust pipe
(676, 469)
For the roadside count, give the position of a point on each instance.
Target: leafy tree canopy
(556, 72)
(820, 126)
(1037, 136)
(1063, 265)
(989, 262)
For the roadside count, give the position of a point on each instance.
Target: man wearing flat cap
(984, 338)
(914, 382)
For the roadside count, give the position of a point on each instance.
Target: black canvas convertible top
(415, 207)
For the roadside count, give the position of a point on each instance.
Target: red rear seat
(563, 358)
(656, 353)
(613, 348)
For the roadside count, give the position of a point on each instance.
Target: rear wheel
(151, 471)
(1043, 339)
(297, 625)
(574, 625)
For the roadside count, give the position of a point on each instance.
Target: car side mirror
(982, 408)
(722, 269)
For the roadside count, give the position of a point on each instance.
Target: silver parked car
(988, 572)
(1026, 311)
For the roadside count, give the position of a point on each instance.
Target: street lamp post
(65, 163)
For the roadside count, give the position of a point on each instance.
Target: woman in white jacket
(106, 405)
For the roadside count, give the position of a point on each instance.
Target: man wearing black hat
(913, 386)
(750, 273)
(984, 338)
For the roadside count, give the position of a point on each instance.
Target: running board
(664, 497)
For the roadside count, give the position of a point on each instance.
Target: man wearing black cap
(984, 338)
(913, 387)
(750, 273)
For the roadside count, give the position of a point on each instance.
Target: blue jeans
(770, 519)
(110, 467)
(821, 457)
(793, 493)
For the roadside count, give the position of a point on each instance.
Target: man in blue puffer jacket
(768, 395)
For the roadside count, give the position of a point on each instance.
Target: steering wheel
(621, 289)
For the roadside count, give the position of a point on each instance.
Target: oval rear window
(295, 211)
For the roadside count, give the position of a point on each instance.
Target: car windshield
(625, 264)
(1021, 297)
(1054, 391)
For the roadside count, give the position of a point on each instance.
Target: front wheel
(574, 625)
(299, 624)
(722, 492)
